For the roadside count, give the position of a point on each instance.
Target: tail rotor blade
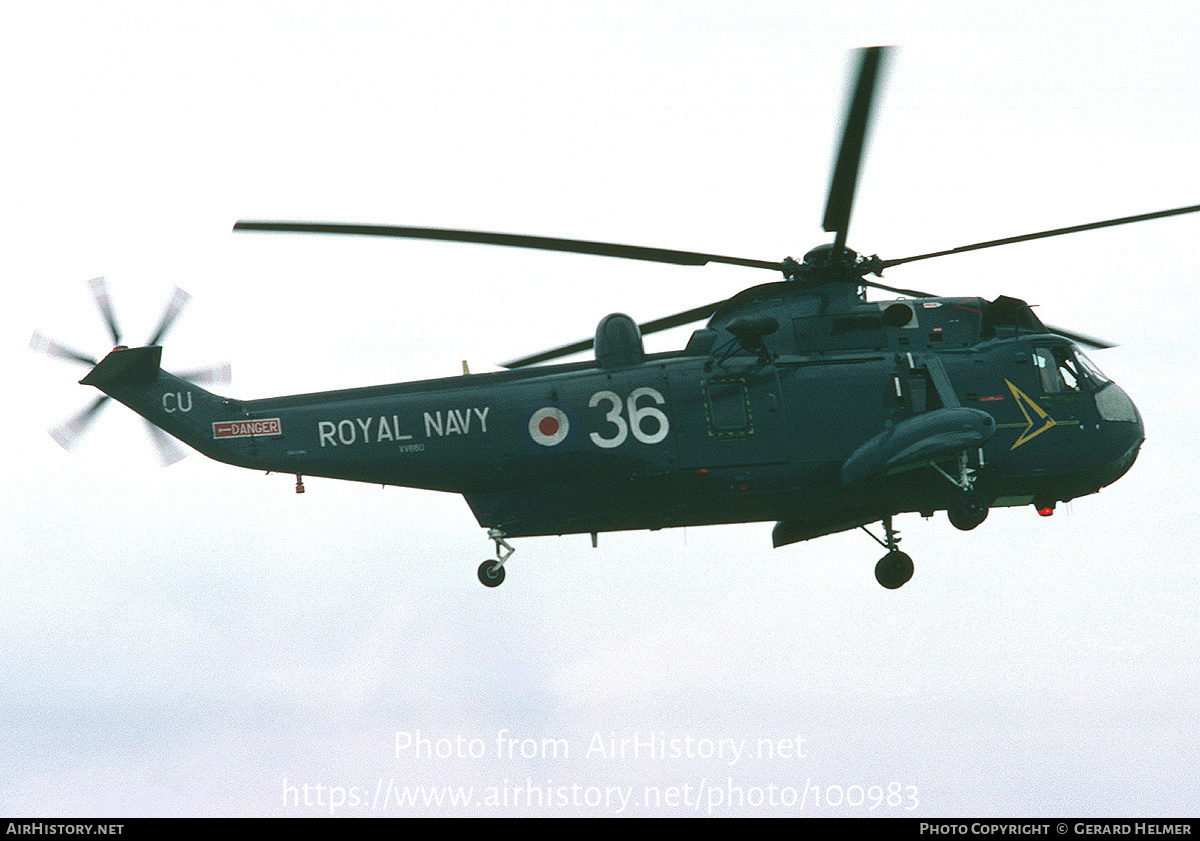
(41, 344)
(67, 435)
(169, 451)
(179, 300)
(212, 375)
(104, 304)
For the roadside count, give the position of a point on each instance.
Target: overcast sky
(201, 640)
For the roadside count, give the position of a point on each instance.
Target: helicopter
(799, 401)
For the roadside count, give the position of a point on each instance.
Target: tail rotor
(68, 433)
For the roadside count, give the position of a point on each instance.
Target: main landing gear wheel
(967, 510)
(491, 574)
(894, 569)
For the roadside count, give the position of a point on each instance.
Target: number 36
(636, 417)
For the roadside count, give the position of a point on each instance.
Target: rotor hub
(829, 255)
(827, 263)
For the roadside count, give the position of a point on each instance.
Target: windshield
(1090, 368)
(1064, 370)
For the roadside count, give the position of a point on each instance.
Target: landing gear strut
(894, 568)
(969, 507)
(491, 573)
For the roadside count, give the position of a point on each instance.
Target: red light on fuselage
(1045, 507)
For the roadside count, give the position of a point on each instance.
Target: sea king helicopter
(799, 402)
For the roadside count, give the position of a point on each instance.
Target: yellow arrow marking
(1025, 404)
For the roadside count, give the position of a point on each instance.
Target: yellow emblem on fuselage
(1039, 416)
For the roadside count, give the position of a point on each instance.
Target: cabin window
(728, 402)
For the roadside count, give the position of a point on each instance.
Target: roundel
(549, 426)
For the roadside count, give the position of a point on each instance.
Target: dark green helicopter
(799, 402)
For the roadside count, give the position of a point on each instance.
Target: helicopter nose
(1114, 404)
(1123, 419)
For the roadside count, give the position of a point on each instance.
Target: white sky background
(183, 640)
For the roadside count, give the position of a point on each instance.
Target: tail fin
(133, 376)
(125, 367)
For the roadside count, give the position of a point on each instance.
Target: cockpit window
(1043, 360)
(1064, 371)
(1090, 368)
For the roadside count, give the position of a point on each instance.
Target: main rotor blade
(175, 305)
(912, 293)
(665, 323)
(100, 292)
(680, 318)
(67, 435)
(547, 355)
(1107, 223)
(41, 344)
(845, 172)
(1080, 338)
(572, 246)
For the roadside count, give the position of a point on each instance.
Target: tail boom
(359, 435)
(134, 377)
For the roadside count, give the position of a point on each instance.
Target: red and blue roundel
(549, 426)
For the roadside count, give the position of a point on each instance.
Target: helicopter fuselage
(784, 408)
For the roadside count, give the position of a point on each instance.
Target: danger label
(247, 428)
